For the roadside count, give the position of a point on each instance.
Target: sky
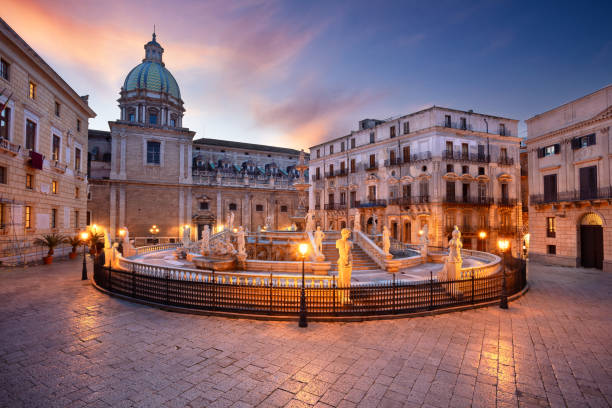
(296, 73)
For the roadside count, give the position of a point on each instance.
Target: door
(407, 232)
(591, 246)
(588, 182)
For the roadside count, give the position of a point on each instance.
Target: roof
(25, 47)
(152, 76)
(246, 146)
(98, 133)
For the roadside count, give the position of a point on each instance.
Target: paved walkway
(62, 343)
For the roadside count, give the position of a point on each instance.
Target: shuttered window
(550, 187)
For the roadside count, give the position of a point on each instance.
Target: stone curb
(178, 309)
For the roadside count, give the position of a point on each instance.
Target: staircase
(364, 267)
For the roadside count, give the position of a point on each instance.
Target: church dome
(152, 76)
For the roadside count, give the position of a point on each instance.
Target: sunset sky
(294, 73)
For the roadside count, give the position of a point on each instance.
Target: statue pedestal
(241, 261)
(344, 281)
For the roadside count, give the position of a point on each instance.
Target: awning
(212, 165)
(262, 171)
(284, 172)
(238, 169)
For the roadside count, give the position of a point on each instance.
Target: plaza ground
(63, 343)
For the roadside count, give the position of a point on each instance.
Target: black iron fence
(574, 195)
(267, 298)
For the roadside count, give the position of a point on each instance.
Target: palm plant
(95, 238)
(50, 241)
(74, 242)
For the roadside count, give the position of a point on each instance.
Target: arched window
(153, 116)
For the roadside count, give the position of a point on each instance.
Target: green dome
(152, 76)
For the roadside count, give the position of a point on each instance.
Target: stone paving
(62, 343)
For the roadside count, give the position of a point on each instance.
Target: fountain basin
(221, 263)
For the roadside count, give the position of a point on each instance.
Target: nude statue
(319, 236)
(241, 241)
(345, 261)
(386, 240)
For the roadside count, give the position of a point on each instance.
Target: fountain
(301, 185)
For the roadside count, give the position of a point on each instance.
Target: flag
(5, 103)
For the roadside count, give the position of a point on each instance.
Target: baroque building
(148, 169)
(569, 150)
(43, 142)
(441, 167)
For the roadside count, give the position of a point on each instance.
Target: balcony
(465, 229)
(59, 167)
(506, 202)
(371, 166)
(317, 206)
(468, 200)
(465, 157)
(8, 147)
(371, 203)
(329, 174)
(79, 174)
(505, 161)
(393, 162)
(341, 173)
(335, 206)
(406, 201)
(417, 157)
(571, 196)
(506, 230)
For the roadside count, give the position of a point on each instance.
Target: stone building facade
(149, 171)
(570, 190)
(43, 145)
(438, 167)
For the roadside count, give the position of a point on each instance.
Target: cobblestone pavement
(62, 343)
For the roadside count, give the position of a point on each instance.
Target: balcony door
(588, 182)
(450, 191)
(550, 188)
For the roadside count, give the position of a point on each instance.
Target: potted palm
(74, 242)
(50, 241)
(95, 239)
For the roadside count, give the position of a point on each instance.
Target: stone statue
(293, 227)
(205, 244)
(221, 247)
(386, 240)
(229, 221)
(319, 236)
(454, 246)
(268, 225)
(374, 224)
(107, 240)
(345, 263)
(186, 235)
(424, 239)
(241, 241)
(357, 223)
(310, 222)
(301, 157)
(128, 249)
(108, 249)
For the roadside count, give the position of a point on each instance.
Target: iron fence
(268, 298)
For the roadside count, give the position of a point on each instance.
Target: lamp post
(84, 236)
(482, 235)
(303, 248)
(503, 245)
(154, 231)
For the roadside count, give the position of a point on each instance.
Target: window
(503, 153)
(5, 117)
(2, 226)
(371, 193)
(153, 152)
(318, 153)
(78, 125)
(76, 192)
(76, 219)
(449, 149)
(465, 169)
(77, 158)
(57, 109)
(331, 149)
(406, 127)
(203, 205)
(449, 168)
(331, 169)
(173, 122)
(353, 166)
(392, 158)
(372, 161)
(153, 118)
(372, 137)
(342, 146)
(55, 153)
(550, 188)
(502, 129)
(28, 217)
(447, 121)
(342, 168)
(353, 198)
(53, 218)
(4, 69)
(583, 141)
(483, 221)
(88, 219)
(54, 187)
(132, 117)
(331, 200)
(588, 182)
(29, 181)
(481, 153)
(392, 132)
(549, 150)
(504, 192)
(32, 91)
(259, 208)
(462, 123)
(318, 173)
(3, 175)
(450, 191)
(406, 154)
(481, 171)
(466, 192)
(465, 150)
(424, 188)
(406, 191)
(482, 192)
(352, 143)
(233, 206)
(551, 249)
(283, 208)
(551, 228)
(30, 134)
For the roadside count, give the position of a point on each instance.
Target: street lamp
(503, 245)
(84, 237)
(482, 235)
(303, 248)
(154, 230)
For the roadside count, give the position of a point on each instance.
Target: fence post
(472, 286)
(214, 291)
(110, 280)
(133, 283)
(430, 290)
(334, 289)
(394, 305)
(270, 292)
(167, 287)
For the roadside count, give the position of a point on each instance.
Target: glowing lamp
(420, 232)
(235, 230)
(482, 234)
(84, 236)
(94, 228)
(503, 244)
(121, 232)
(303, 248)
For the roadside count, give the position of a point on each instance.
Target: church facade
(149, 171)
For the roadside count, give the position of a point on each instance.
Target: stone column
(122, 168)
(112, 210)
(181, 162)
(181, 218)
(219, 209)
(189, 160)
(246, 207)
(122, 206)
(188, 212)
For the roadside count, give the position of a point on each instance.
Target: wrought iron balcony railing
(575, 195)
(465, 157)
(506, 202)
(371, 203)
(468, 200)
(505, 161)
(335, 206)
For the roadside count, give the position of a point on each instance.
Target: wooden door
(591, 246)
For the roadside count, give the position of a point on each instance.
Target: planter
(48, 259)
(72, 255)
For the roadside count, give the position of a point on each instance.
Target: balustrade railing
(10, 147)
(505, 161)
(468, 200)
(371, 203)
(573, 195)
(465, 156)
